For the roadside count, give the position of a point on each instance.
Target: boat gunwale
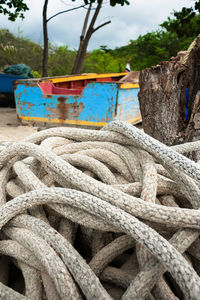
(56, 79)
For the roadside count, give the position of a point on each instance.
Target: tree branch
(64, 11)
(98, 27)
(97, 10)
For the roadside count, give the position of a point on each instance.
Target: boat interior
(72, 87)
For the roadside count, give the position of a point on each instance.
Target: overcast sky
(127, 22)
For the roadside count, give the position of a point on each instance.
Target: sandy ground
(11, 128)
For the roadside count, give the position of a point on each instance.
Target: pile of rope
(109, 214)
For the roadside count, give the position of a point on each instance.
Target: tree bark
(75, 67)
(162, 98)
(45, 38)
(85, 38)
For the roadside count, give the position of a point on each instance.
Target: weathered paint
(97, 104)
(129, 85)
(128, 105)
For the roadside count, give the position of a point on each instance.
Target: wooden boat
(88, 100)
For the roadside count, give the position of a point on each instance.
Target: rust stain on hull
(24, 105)
(65, 111)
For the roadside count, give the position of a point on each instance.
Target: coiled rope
(185, 58)
(99, 215)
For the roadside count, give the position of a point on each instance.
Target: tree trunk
(78, 65)
(45, 37)
(77, 59)
(162, 98)
(85, 38)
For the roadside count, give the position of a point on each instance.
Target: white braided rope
(86, 184)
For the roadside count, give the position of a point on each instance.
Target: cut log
(164, 91)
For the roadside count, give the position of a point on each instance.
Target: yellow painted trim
(72, 122)
(60, 121)
(129, 85)
(135, 120)
(85, 76)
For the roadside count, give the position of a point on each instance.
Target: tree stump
(163, 95)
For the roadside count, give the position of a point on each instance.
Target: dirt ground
(11, 128)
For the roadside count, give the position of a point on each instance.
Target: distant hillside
(17, 50)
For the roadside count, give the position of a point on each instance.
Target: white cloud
(127, 22)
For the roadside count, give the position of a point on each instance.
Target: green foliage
(99, 61)
(197, 5)
(13, 8)
(151, 48)
(185, 23)
(60, 61)
(175, 34)
(36, 74)
(112, 2)
(19, 50)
